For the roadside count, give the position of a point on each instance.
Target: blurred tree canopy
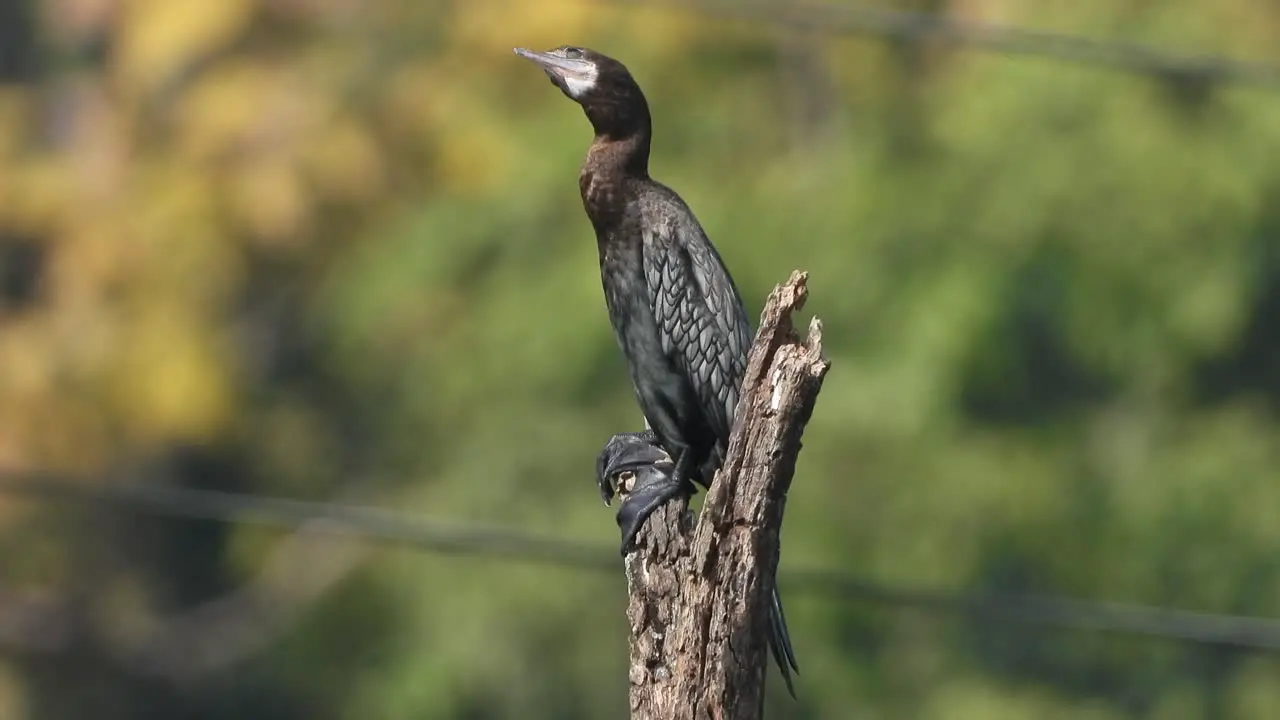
(334, 249)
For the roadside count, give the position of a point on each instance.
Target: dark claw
(627, 450)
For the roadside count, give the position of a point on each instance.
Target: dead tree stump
(699, 593)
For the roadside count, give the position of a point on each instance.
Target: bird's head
(603, 87)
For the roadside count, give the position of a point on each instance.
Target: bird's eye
(573, 53)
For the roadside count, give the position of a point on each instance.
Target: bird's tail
(780, 641)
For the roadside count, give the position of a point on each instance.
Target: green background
(334, 250)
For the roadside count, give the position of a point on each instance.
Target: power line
(1134, 58)
(1060, 612)
(401, 528)
(366, 522)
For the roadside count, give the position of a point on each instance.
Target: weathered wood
(699, 594)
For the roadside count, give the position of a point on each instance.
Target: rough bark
(699, 594)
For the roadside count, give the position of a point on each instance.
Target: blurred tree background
(333, 250)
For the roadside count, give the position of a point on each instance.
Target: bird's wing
(701, 319)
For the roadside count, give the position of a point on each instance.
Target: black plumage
(675, 311)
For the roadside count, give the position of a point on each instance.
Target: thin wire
(401, 528)
(1060, 612)
(829, 18)
(364, 522)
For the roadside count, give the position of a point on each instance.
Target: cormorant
(675, 311)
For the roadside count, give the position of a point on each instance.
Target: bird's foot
(657, 484)
(626, 450)
(647, 494)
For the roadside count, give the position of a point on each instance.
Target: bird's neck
(611, 163)
(620, 155)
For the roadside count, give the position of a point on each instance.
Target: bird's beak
(558, 65)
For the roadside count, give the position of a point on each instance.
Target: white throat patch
(580, 85)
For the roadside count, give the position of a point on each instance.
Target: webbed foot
(651, 487)
(626, 451)
(634, 465)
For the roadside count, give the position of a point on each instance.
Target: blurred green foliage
(323, 247)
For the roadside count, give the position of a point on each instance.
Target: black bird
(675, 311)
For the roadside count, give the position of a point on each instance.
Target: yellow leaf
(37, 194)
(170, 378)
(159, 37)
(344, 161)
(498, 26)
(268, 198)
(235, 105)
